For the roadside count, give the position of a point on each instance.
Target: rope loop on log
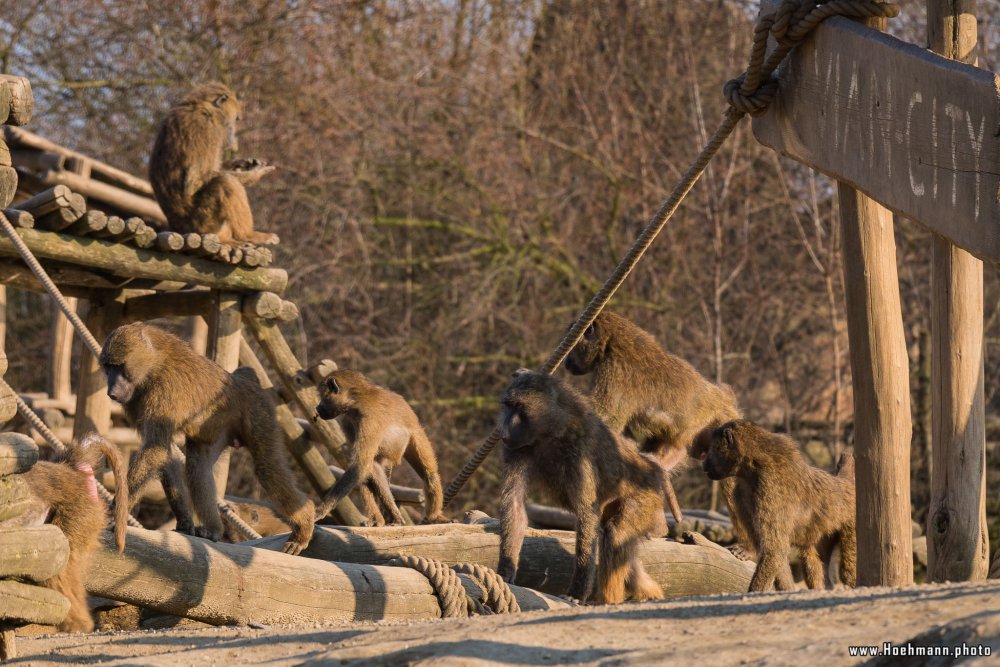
(499, 598)
(447, 586)
(748, 94)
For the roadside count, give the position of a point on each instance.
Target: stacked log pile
(713, 525)
(82, 197)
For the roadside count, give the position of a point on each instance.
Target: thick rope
(499, 598)
(57, 445)
(447, 586)
(750, 93)
(236, 522)
(50, 287)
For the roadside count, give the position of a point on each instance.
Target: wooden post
(3, 317)
(197, 331)
(957, 541)
(93, 406)
(224, 348)
(61, 358)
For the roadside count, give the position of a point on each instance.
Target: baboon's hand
(208, 534)
(185, 527)
(272, 239)
(293, 548)
(506, 570)
(741, 553)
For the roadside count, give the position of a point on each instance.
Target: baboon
(552, 438)
(193, 187)
(656, 396)
(169, 391)
(782, 501)
(382, 429)
(67, 488)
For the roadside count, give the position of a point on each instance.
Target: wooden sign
(915, 131)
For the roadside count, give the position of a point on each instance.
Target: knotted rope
(451, 594)
(749, 93)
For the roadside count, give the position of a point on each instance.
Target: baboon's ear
(220, 100)
(331, 385)
(729, 436)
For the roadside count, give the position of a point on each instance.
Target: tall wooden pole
(225, 326)
(957, 541)
(880, 374)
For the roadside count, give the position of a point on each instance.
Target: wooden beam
(186, 303)
(93, 406)
(144, 207)
(957, 540)
(61, 356)
(233, 584)
(546, 556)
(18, 453)
(35, 553)
(879, 371)
(25, 603)
(225, 326)
(128, 262)
(913, 130)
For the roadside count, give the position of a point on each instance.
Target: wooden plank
(122, 260)
(35, 553)
(880, 375)
(957, 541)
(546, 556)
(913, 130)
(233, 584)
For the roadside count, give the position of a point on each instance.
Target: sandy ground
(804, 628)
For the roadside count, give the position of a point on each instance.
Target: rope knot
(497, 598)
(754, 102)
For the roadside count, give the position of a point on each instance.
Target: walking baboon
(552, 438)
(656, 396)
(193, 187)
(170, 391)
(382, 429)
(782, 501)
(67, 488)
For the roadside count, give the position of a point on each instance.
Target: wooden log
(170, 241)
(93, 406)
(19, 218)
(546, 556)
(879, 371)
(228, 584)
(15, 499)
(192, 242)
(224, 335)
(8, 185)
(144, 207)
(35, 553)
(186, 303)
(236, 256)
(8, 642)
(957, 541)
(403, 494)
(298, 384)
(197, 333)
(47, 201)
(264, 305)
(21, 103)
(8, 401)
(24, 603)
(132, 228)
(36, 160)
(64, 217)
(320, 370)
(21, 137)
(114, 229)
(224, 253)
(18, 453)
(6, 96)
(5, 159)
(131, 263)
(145, 236)
(92, 223)
(301, 448)
(210, 246)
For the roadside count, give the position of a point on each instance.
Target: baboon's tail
(117, 463)
(420, 456)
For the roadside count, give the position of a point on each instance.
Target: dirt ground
(803, 628)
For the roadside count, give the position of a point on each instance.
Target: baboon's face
(722, 457)
(588, 352)
(338, 393)
(126, 359)
(120, 388)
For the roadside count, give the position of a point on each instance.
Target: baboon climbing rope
(451, 594)
(749, 93)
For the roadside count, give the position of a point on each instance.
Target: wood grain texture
(35, 553)
(913, 130)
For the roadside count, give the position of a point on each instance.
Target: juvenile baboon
(193, 187)
(656, 396)
(66, 486)
(382, 429)
(782, 501)
(552, 438)
(170, 391)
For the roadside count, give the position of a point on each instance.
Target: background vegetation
(456, 178)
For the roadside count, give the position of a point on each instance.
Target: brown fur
(65, 486)
(169, 391)
(382, 429)
(553, 438)
(658, 397)
(781, 501)
(196, 192)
